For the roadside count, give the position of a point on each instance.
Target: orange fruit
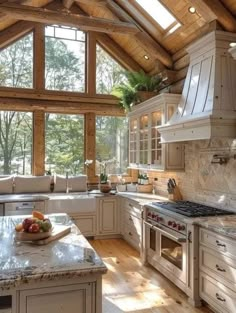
(38, 215)
(19, 227)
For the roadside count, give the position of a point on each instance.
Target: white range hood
(207, 106)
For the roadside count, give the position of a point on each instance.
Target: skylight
(158, 12)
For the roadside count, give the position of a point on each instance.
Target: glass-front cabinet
(145, 148)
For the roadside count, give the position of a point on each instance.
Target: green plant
(103, 178)
(127, 91)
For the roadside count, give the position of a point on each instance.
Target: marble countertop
(224, 225)
(68, 257)
(142, 198)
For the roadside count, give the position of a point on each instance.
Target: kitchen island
(63, 276)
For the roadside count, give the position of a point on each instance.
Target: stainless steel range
(171, 241)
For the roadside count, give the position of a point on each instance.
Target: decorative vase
(105, 187)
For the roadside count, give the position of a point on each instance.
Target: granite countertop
(142, 198)
(68, 257)
(224, 225)
(6, 198)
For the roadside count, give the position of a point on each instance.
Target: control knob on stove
(170, 223)
(158, 218)
(174, 225)
(149, 214)
(180, 227)
(153, 215)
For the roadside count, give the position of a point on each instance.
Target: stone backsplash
(203, 181)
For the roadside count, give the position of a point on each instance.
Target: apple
(46, 225)
(34, 228)
(27, 222)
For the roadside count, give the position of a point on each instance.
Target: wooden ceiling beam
(215, 7)
(14, 32)
(41, 15)
(146, 41)
(117, 52)
(53, 95)
(68, 3)
(64, 107)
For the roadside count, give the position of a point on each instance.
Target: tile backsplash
(203, 181)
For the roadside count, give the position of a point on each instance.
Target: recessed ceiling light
(232, 44)
(146, 57)
(192, 10)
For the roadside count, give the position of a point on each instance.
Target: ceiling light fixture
(192, 10)
(146, 57)
(232, 44)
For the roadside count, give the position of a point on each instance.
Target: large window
(64, 143)
(15, 142)
(65, 58)
(16, 64)
(112, 144)
(108, 72)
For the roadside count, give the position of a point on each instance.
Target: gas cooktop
(190, 209)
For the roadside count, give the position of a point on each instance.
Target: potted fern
(138, 87)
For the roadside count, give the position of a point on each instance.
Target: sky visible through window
(158, 12)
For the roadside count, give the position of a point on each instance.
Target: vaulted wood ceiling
(123, 29)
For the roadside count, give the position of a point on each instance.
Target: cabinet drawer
(220, 267)
(218, 243)
(133, 208)
(217, 295)
(133, 222)
(131, 235)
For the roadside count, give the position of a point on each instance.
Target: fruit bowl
(33, 228)
(24, 236)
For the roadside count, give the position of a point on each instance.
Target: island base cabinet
(85, 223)
(64, 299)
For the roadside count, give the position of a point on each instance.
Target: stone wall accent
(202, 181)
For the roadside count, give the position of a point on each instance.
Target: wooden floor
(130, 287)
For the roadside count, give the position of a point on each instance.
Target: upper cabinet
(145, 148)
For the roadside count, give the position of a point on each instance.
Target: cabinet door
(133, 141)
(156, 147)
(73, 299)
(143, 139)
(108, 217)
(86, 224)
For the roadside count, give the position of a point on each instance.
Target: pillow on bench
(77, 183)
(26, 184)
(59, 183)
(6, 185)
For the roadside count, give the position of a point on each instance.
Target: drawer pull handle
(220, 244)
(130, 234)
(218, 297)
(220, 269)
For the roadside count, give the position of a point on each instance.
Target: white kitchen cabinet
(217, 263)
(145, 148)
(108, 216)
(71, 298)
(131, 222)
(85, 222)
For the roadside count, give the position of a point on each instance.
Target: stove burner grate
(191, 209)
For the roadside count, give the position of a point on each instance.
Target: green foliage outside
(64, 133)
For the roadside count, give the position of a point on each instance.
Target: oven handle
(171, 236)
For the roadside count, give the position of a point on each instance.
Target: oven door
(167, 248)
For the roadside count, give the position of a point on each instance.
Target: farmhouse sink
(69, 203)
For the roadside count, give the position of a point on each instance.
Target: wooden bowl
(24, 236)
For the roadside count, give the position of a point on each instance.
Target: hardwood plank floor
(130, 287)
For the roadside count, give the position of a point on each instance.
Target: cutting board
(57, 232)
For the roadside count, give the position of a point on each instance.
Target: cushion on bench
(27, 184)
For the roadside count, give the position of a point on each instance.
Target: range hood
(207, 106)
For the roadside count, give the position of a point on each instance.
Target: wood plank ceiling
(131, 31)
